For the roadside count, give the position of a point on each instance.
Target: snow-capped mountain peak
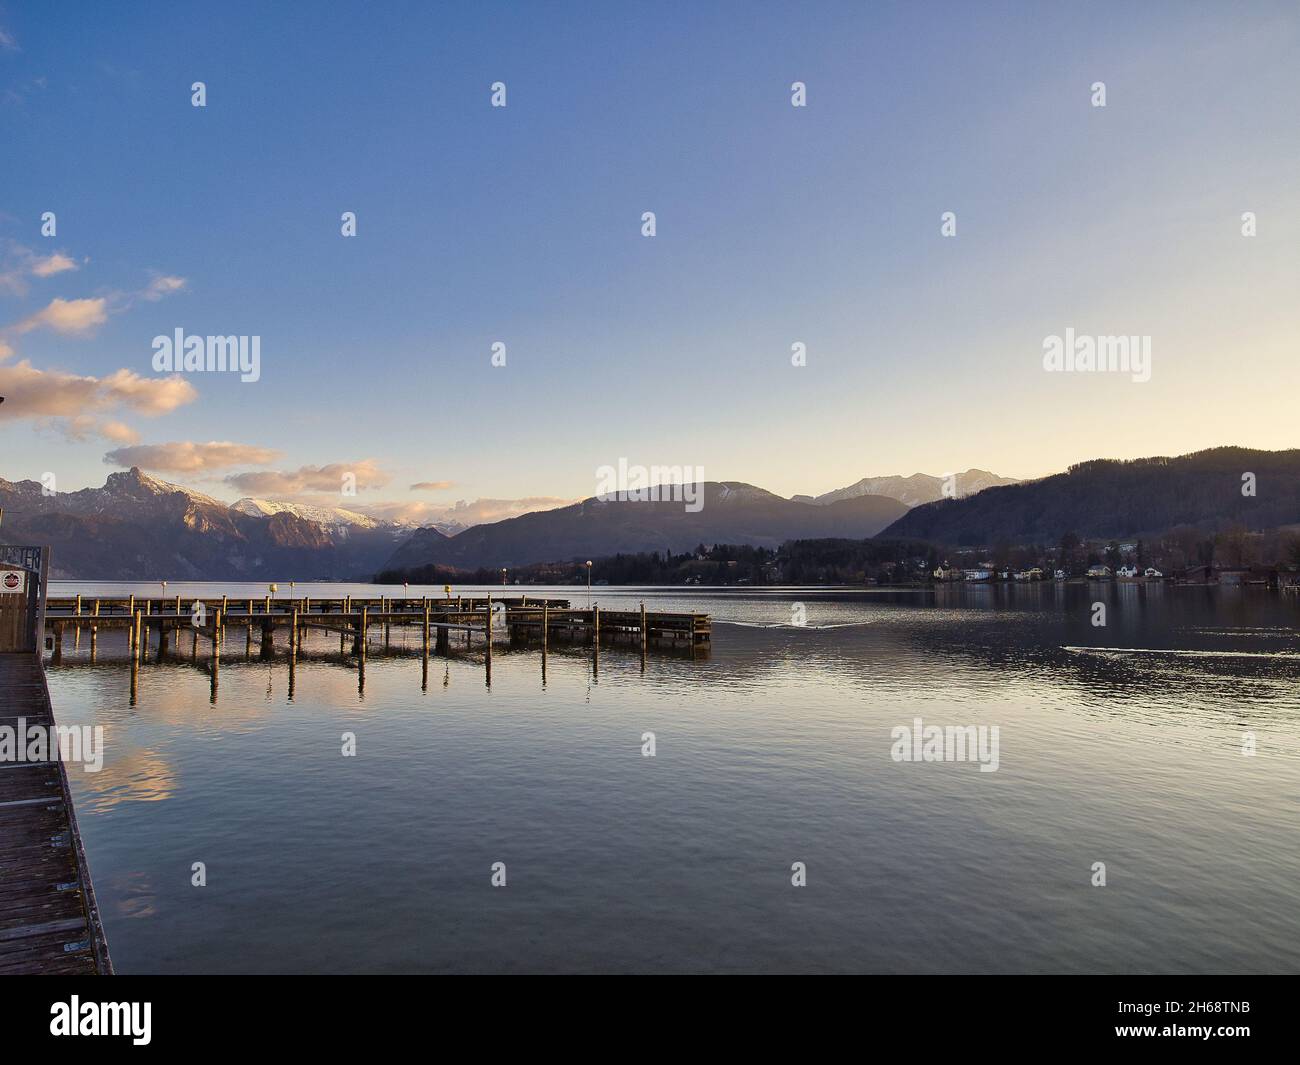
(265, 508)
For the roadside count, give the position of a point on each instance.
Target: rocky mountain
(732, 512)
(1110, 499)
(913, 491)
(137, 527)
(338, 517)
(334, 516)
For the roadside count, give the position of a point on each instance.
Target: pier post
(595, 625)
(643, 632)
(216, 653)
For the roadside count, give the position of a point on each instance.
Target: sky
(774, 225)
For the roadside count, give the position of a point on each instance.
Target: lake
(1123, 744)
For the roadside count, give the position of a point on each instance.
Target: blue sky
(522, 224)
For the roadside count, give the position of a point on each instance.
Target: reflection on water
(1119, 744)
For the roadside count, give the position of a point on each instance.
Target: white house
(1127, 571)
(1151, 571)
(1099, 572)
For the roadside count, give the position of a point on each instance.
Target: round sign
(11, 580)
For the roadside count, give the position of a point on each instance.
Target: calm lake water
(1120, 744)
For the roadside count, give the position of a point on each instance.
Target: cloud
(161, 286)
(69, 317)
(186, 456)
(33, 393)
(53, 264)
(84, 426)
(432, 486)
(149, 395)
(6, 349)
(280, 484)
(19, 263)
(7, 42)
(118, 432)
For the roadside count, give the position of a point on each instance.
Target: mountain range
(915, 490)
(732, 513)
(137, 527)
(1106, 499)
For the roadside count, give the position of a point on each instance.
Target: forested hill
(1105, 498)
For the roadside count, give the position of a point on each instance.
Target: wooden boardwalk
(49, 921)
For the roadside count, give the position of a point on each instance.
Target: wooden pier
(523, 619)
(49, 920)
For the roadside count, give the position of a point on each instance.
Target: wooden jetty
(49, 920)
(524, 619)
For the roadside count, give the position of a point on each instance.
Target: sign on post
(13, 580)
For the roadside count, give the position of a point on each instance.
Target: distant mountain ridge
(325, 515)
(914, 491)
(731, 512)
(339, 517)
(137, 527)
(1107, 499)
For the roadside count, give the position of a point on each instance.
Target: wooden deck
(49, 921)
